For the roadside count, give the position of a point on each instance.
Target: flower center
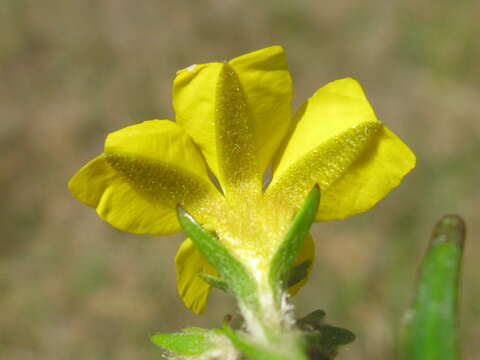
(252, 230)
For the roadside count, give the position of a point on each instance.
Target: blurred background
(72, 287)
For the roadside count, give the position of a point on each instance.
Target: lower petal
(192, 289)
(307, 253)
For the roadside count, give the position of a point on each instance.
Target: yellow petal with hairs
(339, 144)
(237, 112)
(267, 86)
(145, 172)
(374, 173)
(194, 94)
(119, 202)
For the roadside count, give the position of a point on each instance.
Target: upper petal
(339, 144)
(237, 112)
(267, 85)
(145, 172)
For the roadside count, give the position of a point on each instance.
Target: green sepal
(239, 280)
(431, 329)
(312, 321)
(284, 258)
(322, 340)
(298, 273)
(330, 337)
(214, 281)
(192, 341)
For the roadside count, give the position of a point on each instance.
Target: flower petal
(267, 86)
(307, 253)
(376, 171)
(192, 289)
(339, 144)
(237, 112)
(146, 171)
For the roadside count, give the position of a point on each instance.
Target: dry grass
(71, 287)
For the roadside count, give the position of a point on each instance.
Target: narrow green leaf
(214, 281)
(194, 343)
(288, 250)
(234, 273)
(431, 331)
(298, 273)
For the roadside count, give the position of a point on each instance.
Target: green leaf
(431, 331)
(298, 273)
(214, 281)
(284, 258)
(193, 343)
(234, 273)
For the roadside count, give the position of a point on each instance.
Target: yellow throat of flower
(251, 228)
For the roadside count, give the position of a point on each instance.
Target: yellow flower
(233, 124)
